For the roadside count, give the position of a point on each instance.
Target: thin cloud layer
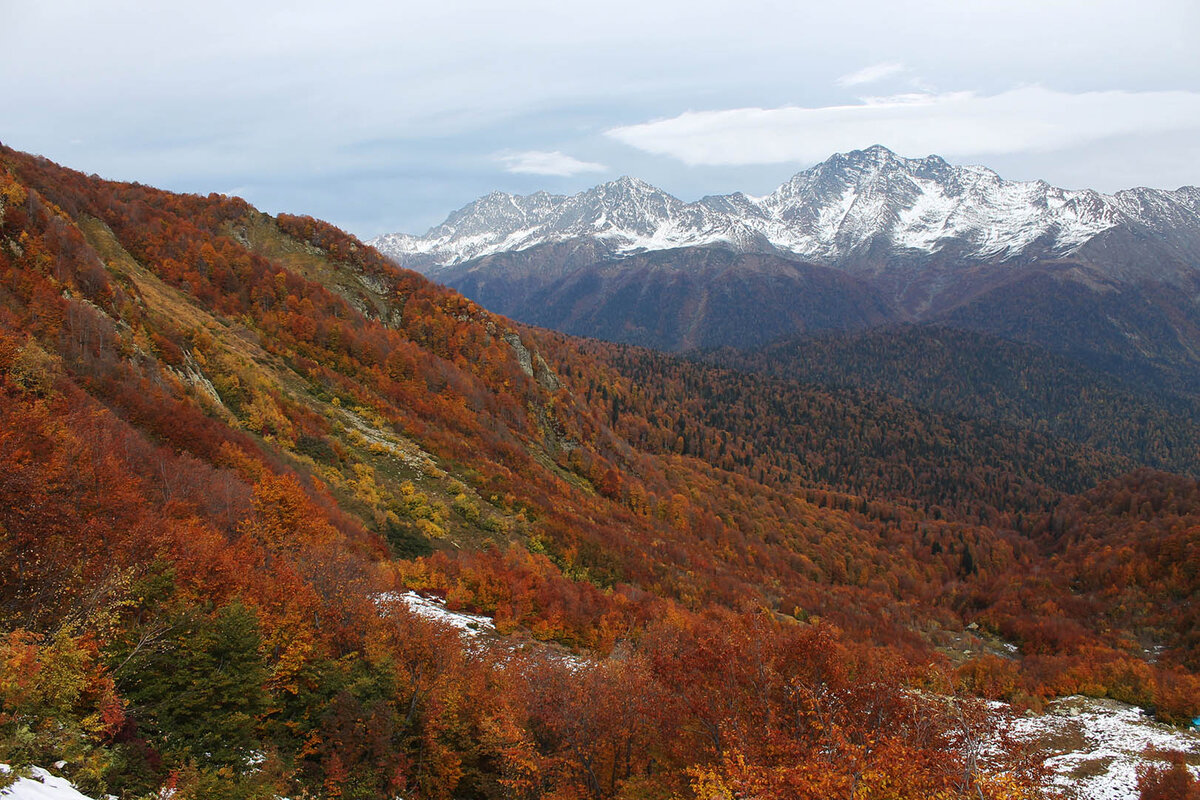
(1030, 119)
(538, 162)
(871, 74)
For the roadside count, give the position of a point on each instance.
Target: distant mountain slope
(851, 440)
(978, 375)
(676, 300)
(1147, 331)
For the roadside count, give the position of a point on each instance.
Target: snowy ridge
(825, 214)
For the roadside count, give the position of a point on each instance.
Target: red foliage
(1174, 781)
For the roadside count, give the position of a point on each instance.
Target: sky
(387, 116)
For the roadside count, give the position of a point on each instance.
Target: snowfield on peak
(843, 206)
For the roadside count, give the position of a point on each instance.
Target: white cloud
(871, 74)
(539, 162)
(1024, 120)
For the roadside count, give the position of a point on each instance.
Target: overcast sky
(386, 116)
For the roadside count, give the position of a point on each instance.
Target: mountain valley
(775, 567)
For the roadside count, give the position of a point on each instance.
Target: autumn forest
(231, 442)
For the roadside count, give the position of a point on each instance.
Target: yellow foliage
(34, 370)
(56, 684)
(264, 416)
(11, 193)
(708, 784)
(430, 529)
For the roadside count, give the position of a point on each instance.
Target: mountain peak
(875, 152)
(630, 181)
(875, 155)
(627, 184)
(878, 157)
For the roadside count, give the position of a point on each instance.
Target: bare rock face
(532, 363)
(544, 374)
(523, 356)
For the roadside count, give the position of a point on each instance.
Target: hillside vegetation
(976, 375)
(227, 440)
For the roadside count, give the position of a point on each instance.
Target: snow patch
(433, 608)
(1107, 743)
(480, 632)
(41, 785)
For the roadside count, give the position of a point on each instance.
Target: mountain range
(862, 239)
(856, 208)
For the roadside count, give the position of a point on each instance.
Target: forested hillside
(229, 440)
(975, 375)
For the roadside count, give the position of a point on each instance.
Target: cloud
(1024, 120)
(314, 107)
(871, 74)
(539, 162)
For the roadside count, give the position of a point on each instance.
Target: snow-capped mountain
(863, 239)
(866, 201)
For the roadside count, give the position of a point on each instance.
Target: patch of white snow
(41, 785)
(433, 608)
(1110, 740)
